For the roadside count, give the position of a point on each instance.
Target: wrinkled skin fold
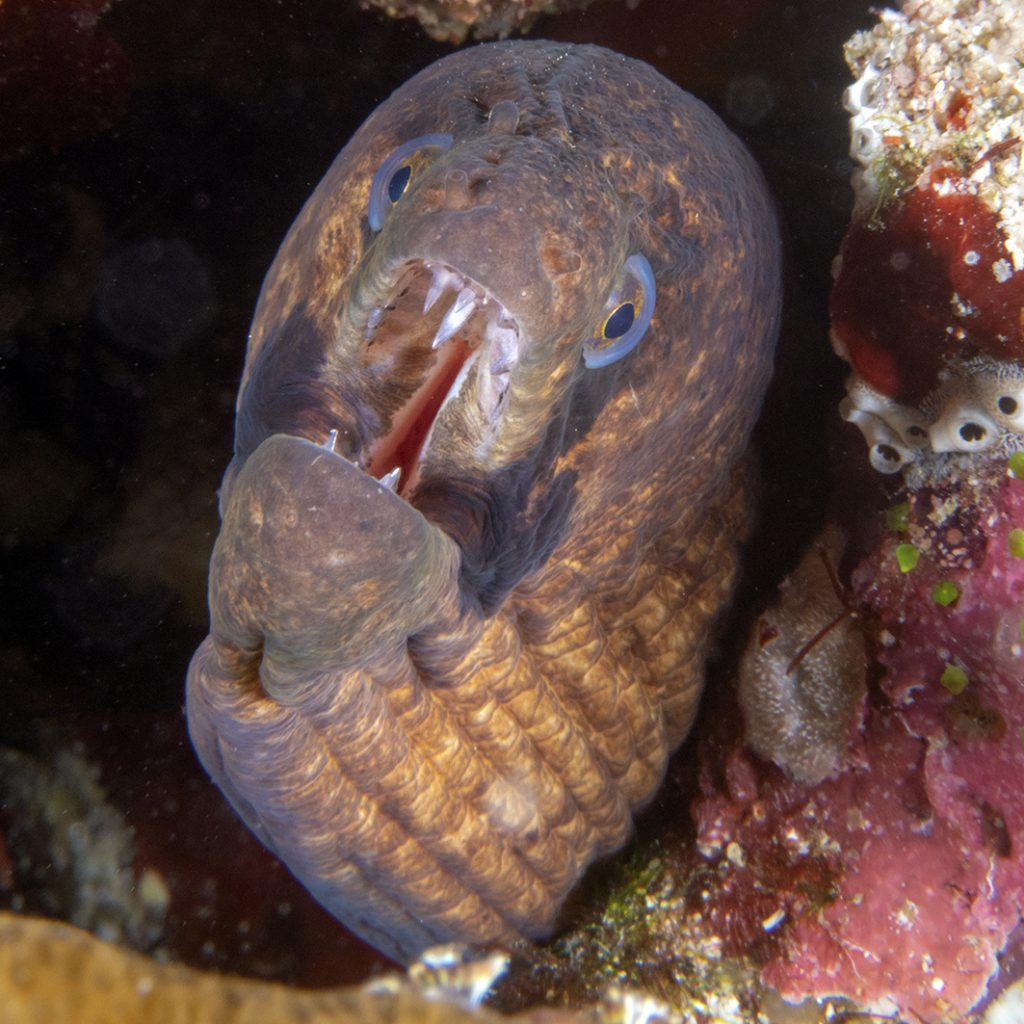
(462, 592)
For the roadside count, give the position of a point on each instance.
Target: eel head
(500, 371)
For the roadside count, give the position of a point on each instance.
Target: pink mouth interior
(402, 445)
(435, 322)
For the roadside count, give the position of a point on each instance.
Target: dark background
(151, 160)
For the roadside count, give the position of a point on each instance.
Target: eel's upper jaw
(421, 337)
(445, 337)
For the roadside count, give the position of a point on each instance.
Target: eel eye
(627, 315)
(399, 182)
(394, 176)
(619, 321)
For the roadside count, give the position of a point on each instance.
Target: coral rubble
(452, 21)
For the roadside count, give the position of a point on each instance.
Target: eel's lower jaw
(437, 316)
(313, 559)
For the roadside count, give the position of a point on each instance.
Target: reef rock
(897, 883)
(929, 283)
(53, 972)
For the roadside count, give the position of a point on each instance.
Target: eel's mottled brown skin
(439, 708)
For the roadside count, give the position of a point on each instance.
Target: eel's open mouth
(442, 332)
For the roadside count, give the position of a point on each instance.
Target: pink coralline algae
(897, 883)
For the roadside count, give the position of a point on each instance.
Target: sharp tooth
(462, 307)
(390, 480)
(502, 342)
(332, 440)
(503, 349)
(438, 284)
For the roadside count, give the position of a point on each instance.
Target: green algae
(907, 557)
(945, 593)
(953, 678)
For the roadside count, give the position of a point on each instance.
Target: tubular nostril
(457, 193)
(464, 190)
(503, 117)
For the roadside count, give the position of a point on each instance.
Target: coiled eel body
(487, 489)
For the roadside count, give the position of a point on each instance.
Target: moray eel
(487, 489)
